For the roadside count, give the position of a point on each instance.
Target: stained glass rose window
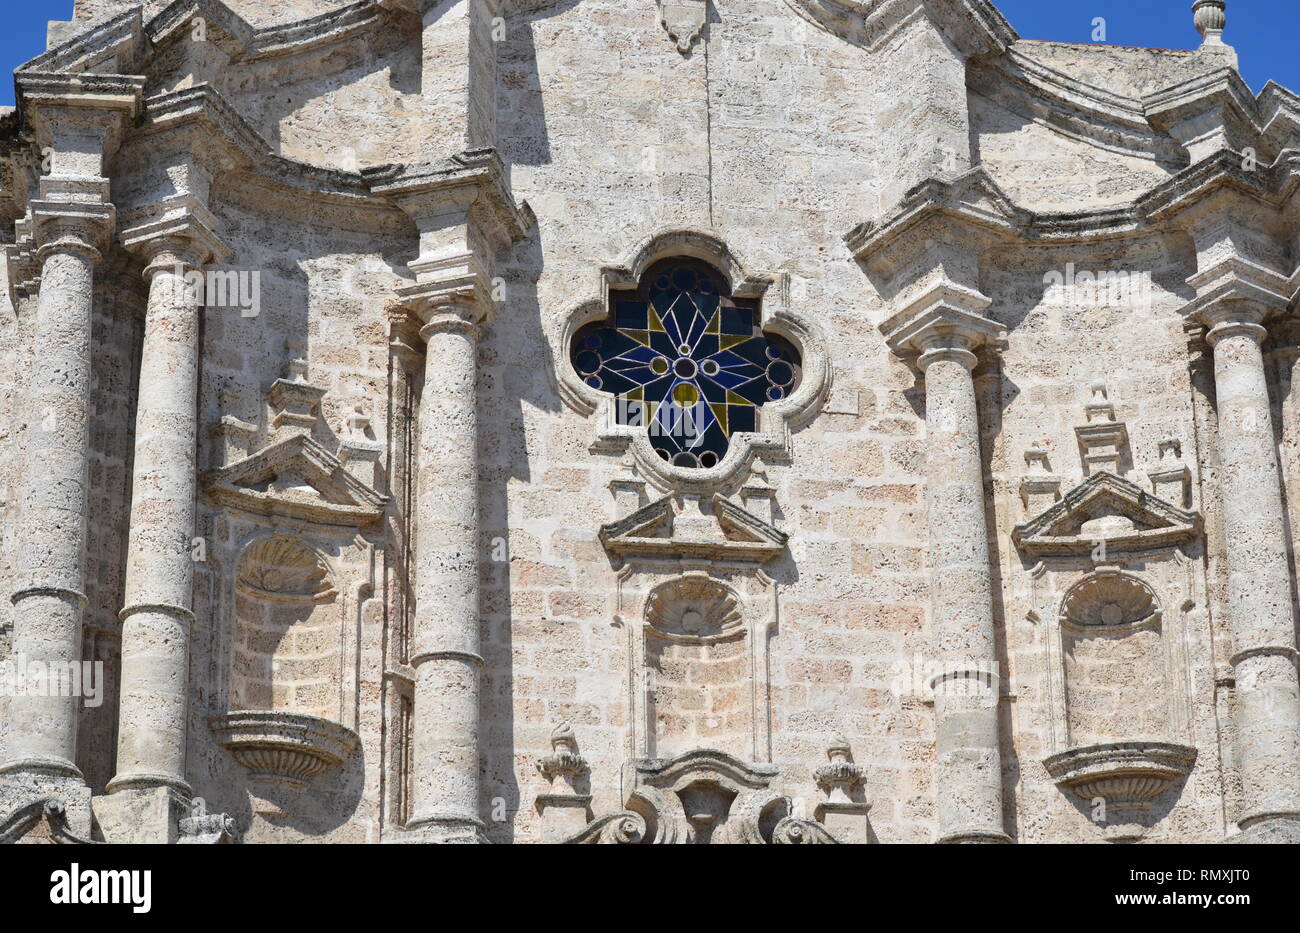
(686, 361)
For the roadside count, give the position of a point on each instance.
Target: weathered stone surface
(313, 499)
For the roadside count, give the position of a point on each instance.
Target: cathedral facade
(645, 421)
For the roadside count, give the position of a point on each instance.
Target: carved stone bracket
(684, 21)
(1127, 776)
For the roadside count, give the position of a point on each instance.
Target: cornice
(976, 26)
(479, 169)
(1073, 108)
(974, 202)
(245, 150)
(127, 42)
(1221, 87)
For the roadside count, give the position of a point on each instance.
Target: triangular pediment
(686, 527)
(1105, 507)
(296, 477)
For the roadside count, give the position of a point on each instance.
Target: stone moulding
(1156, 523)
(336, 497)
(1072, 108)
(772, 443)
(289, 749)
(125, 42)
(1128, 776)
(977, 24)
(674, 529)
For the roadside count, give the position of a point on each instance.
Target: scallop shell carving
(281, 567)
(1109, 600)
(694, 608)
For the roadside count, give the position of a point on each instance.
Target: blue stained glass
(686, 361)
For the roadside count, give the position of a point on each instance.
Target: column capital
(1236, 291)
(65, 109)
(62, 226)
(944, 323)
(1235, 322)
(455, 304)
(174, 231)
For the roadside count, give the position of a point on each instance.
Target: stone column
(158, 614)
(1259, 591)
(464, 214)
(41, 736)
(445, 653)
(77, 124)
(968, 774)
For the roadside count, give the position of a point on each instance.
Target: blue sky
(1263, 31)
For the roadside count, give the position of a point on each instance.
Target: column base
(1269, 829)
(440, 831)
(142, 815)
(147, 781)
(975, 836)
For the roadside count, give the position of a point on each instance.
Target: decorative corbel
(684, 21)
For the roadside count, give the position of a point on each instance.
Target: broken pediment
(691, 527)
(299, 478)
(40, 822)
(703, 797)
(1106, 508)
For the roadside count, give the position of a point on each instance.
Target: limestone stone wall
(467, 604)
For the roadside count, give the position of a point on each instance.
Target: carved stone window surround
(773, 441)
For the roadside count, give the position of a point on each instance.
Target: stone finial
(1171, 480)
(1040, 489)
(1211, 19)
(628, 488)
(357, 452)
(295, 403)
(844, 810)
(1101, 438)
(564, 807)
(232, 440)
(564, 763)
(358, 423)
(1099, 407)
(840, 776)
(758, 495)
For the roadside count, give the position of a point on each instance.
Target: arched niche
(285, 652)
(1115, 660)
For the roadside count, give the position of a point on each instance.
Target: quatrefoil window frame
(772, 441)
